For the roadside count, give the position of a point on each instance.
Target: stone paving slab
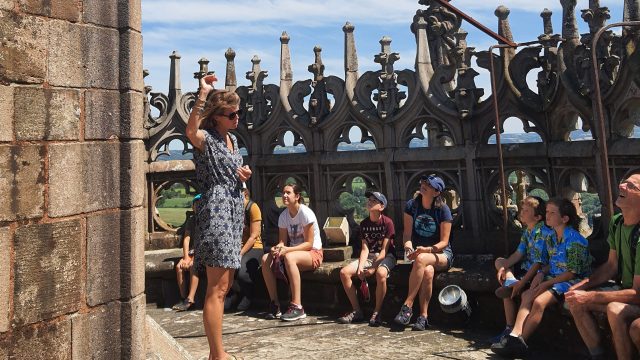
(319, 337)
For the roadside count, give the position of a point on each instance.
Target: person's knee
(614, 309)
(538, 306)
(499, 263)
(634, 331)
(381, 274)
(345, 273)
(429, 272)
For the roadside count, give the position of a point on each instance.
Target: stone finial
(284, 38)
(350, 55)
(595, 16)
(546, 21)
(204, 65)
(230, 82)
(174, 73)
(502, 12)
(317, 68)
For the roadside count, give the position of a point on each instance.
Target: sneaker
(294, 312)
(404, 316)
(496, 339)
(375, 320)
(274, 311)
(244, 304)
(184, 305)
(352, 317)
(421, 323)
(510, 346)
(506, 289)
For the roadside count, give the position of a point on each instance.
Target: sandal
(183, 306)
(233, 357)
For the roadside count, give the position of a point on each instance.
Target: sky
(199, 28)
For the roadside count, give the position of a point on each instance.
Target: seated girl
(299, 249)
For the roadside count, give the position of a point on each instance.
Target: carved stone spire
(504, 29)
(230, 82)
(569, 23)
(388, 96)
(319, 105)
(286, 74)
(174, 77)
(546, 21)
(350, 60)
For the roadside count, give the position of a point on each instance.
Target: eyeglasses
(233, 115)
(630, 186)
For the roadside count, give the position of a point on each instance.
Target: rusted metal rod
(499, 38)
(602, 131)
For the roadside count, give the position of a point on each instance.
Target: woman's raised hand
(206, 83)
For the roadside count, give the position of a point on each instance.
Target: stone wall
(72, 218)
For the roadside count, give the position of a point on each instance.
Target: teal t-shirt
(619, 237)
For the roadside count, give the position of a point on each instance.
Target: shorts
(449, 254)
(316, 258)
(558, 289)
(389, 262)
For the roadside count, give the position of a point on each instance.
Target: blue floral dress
(220, 213)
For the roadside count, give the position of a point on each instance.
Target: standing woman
(427, 227)
(220, 214)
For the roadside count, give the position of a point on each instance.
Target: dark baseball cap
(378, 195)
(434, 181)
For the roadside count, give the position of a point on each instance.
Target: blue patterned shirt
(571, 253)
(533, 245)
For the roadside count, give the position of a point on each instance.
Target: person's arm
(193, 132)
(445, 233)
(383, 250)
(600, 275)
(407, 221)
(364, 254)
(306, 245)
(282, 238)
(255, 226)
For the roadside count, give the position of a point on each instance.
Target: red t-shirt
(374, 233)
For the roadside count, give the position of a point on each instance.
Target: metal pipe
(602, 136)
(475, 23)
(503, 186)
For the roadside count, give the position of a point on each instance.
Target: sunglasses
(233, 115)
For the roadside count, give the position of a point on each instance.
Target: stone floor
(319, 337)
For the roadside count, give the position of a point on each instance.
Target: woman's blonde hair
(217, 101)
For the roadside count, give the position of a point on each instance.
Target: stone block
(100, 12)
(59, 9)
(84, 177)
(83, 56)
(133, 314)
(102, 119)
(131, 60)
(24, 48)
(46, 114)
(102, 53)
(132, 173)
(67, 63)
(49, 341)
(6, 113)
(5, 254)
(130, 14)
(96, 335)
(48, 268)
(21, 182)
(115, 247)
(132, 115)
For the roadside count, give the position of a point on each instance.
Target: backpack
(633, 241)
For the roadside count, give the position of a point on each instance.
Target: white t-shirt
(295, 226)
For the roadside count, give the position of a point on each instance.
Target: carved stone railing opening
(429, 119)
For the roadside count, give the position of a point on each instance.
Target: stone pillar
(72, 180)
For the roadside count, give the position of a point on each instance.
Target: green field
(173, 216)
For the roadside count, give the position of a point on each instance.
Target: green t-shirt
(619, 237)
